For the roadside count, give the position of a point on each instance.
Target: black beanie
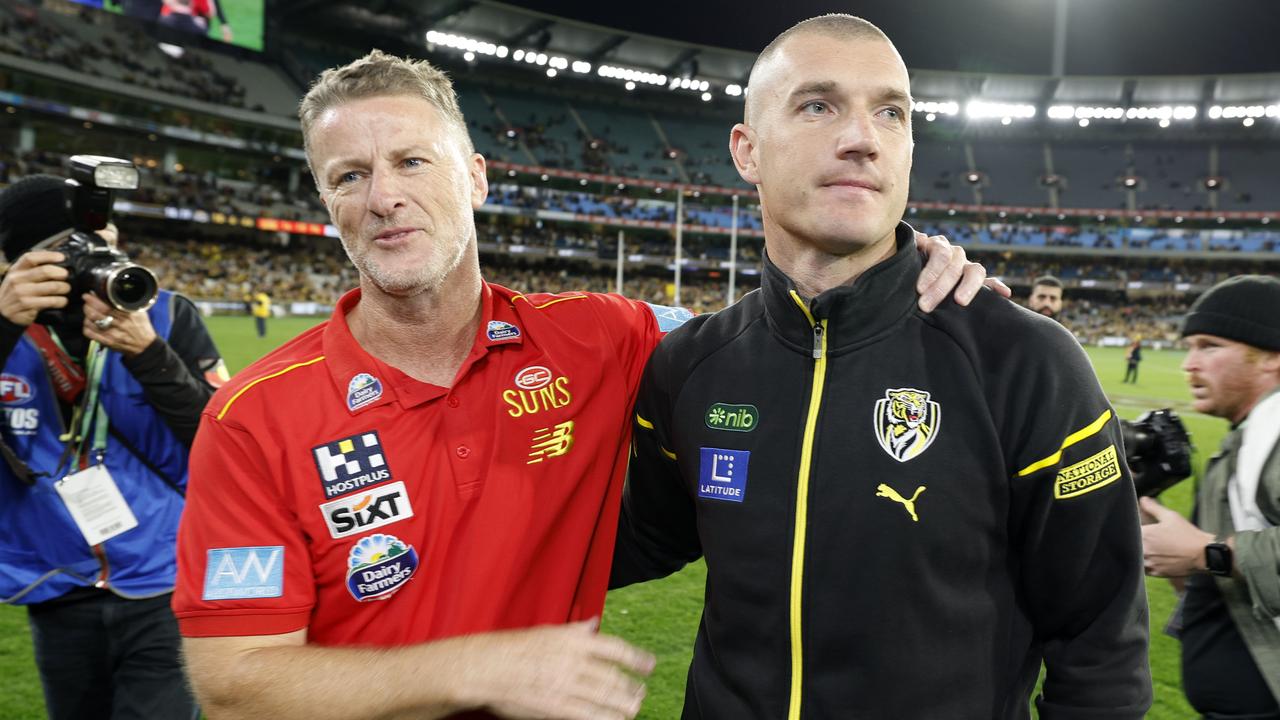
(1245, 308)
(32, 209)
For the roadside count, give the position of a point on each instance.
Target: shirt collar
(855, 312)
(367, 382)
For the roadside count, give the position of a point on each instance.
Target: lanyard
(88, 415)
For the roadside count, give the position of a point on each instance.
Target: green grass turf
(663, 616)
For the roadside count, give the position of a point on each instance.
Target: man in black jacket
(902, 514)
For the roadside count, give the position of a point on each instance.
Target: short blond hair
(379, 74)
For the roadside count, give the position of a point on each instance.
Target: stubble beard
(425, 279)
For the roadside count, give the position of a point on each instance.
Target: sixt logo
(373, 509)
(14, 389)
(539, 390)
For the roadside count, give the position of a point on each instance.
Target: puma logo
(885, 491)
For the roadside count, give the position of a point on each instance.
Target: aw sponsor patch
(499, 330)
(15, 390)
(362, 390)
(906, 422)
(351, 463)
(379, 565)
(1087, 475)
(722, 474)
(669, 318)
(380, 506)
(242, 573)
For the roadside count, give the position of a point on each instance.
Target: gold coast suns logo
(906, 422)
(537, 390)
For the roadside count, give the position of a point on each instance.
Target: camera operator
(100, 406)
(1229, 559)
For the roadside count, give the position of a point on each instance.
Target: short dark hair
(841, 25)
(1048, 281)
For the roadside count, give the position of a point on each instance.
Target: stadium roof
(1087, 57)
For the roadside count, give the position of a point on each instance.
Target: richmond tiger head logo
(906, 422)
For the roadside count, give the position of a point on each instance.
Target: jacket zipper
(802, 506)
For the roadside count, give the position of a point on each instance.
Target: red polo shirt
(331, 491)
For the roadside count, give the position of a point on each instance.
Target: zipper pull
(817, 340)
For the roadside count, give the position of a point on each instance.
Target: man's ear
(742, 145)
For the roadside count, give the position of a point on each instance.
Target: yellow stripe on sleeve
(1089, 430)
(245, 389)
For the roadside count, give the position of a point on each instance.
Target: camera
(93, 265)
(1158, 451)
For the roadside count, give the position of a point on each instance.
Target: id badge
(95, 503)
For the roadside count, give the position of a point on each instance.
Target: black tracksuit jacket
(902, 513)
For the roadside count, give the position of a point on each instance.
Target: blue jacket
(42, 553)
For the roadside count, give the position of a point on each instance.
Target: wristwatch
(1217, 558)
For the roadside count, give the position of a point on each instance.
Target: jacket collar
(856, 312)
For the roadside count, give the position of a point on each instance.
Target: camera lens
(127, 287)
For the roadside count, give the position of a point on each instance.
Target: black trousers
(106, 657)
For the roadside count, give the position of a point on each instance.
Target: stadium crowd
(132, 58)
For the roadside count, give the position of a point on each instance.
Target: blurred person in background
(1132, 358)
(260, 307)
(1226, 560)
(1046, 296)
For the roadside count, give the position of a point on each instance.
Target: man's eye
(814, 107)
(348, 177)
(893, 112)
(414, 162)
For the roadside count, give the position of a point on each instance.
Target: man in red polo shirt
(397, 513)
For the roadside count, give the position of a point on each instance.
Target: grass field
(663, 616)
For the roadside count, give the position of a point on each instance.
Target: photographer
(1227, 560)
(99, 409)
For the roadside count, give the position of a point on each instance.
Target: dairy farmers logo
(499, 330)
(362, 390)
(15, 390)
(378, 566)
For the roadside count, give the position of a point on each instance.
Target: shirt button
(453, 401)
(463, 451)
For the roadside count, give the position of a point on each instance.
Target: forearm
(177, 395)
(310, 682)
